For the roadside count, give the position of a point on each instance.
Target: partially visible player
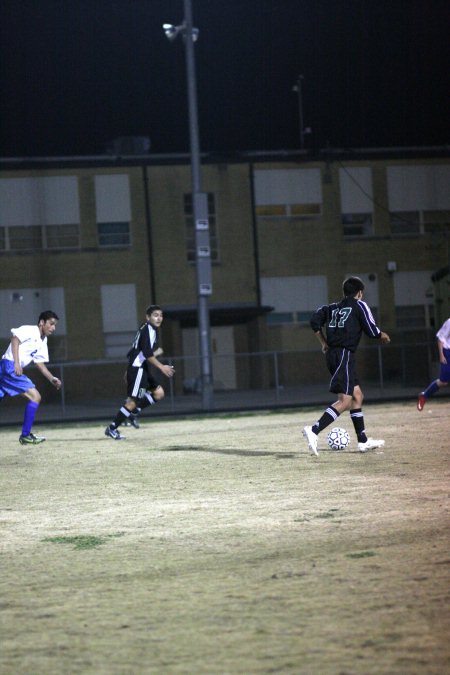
(28, 343)
(142, 389)
(443, 343)
(344, 322)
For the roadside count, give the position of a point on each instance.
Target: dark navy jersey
(144, 344)
(344, 322)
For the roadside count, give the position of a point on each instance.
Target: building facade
(98, 239)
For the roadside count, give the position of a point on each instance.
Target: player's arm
(55, 381)
(323, 343)
(15, 343)
(384, 338)
(168, 371)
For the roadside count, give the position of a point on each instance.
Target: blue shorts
(10, 383)
(444, 371)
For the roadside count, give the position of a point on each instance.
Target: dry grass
(219, 545)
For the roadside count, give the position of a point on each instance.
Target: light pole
(199, 204)
(299, 91)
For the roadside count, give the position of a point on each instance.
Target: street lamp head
(172, 32)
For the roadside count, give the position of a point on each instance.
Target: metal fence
(244, 381)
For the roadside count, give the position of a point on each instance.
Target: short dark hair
(152, 308)
(352, 286)
(48, 314)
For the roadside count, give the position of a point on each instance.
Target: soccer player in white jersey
(443, 344)
(142, 388)
(28, 344)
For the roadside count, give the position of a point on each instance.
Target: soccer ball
(338, 439)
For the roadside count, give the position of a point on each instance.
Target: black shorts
(341, 364)
(140, 380)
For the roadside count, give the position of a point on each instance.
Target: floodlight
(171, 31)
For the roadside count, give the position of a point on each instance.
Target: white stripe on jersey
(140, 358)
(370, 321)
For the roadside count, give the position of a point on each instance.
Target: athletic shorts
(341, 364)
(10, 383)
(140, 380)
(444, 371)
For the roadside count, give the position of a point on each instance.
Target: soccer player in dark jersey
(142, 389)
(343, 323)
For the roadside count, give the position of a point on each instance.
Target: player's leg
(21, 385)
(33, 400)
(329, 416)
(357, 415)
(340, 363)
(357, 418)
(153, 395)
(435, 385)
(136, 382)
(424, 395)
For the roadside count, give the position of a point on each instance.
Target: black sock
(330, 415)
(121, 416)
(358, 423)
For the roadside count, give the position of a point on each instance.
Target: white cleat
(370, 444)
(312, 439)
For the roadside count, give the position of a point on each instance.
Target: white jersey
(443, 334)
(32, 346)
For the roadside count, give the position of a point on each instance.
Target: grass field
(220, 545)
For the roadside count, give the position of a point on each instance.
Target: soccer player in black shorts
(343, 323)
(142, 389)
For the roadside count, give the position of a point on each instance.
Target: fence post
(63, 396)
(380, 367)
(277, 383)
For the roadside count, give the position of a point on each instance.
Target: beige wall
(289, 247)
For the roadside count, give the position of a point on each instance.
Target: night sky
(75, 74)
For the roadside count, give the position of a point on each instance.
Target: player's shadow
(227, 451)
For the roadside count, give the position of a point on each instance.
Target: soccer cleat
(114, 433)
(31, 439)
(421, 402)
(312, 439)
(370, 444)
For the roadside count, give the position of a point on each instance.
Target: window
(113, 235)
(119, 317)
(413, 295)
(356, 193)
(419, 222)
(276, 318)
(405, 222)
(300, 318)
(419, 198)
(190, 230)
(61, 236)
(25, 238)
(288, 193)
(294, 299)
(436, 221)
(357, 224)
(37, 237)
